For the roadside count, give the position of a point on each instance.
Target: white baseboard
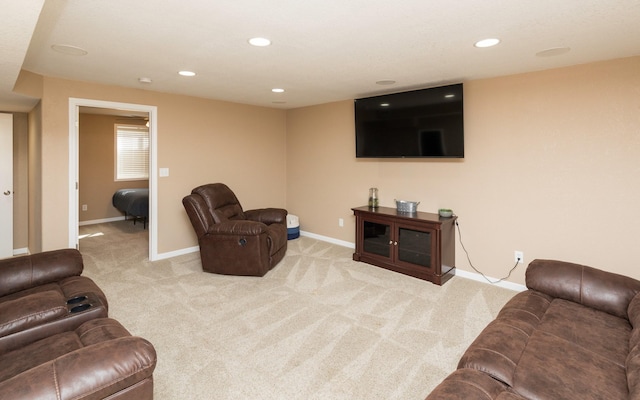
(503, 284)
(100, 221)
(328, 239)
(20, 252)
(176, 253)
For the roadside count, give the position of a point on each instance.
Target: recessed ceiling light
(69, 50)
(556, 51)
(385, 82)
(259, 42)
(449, 96)
(144, 80)
(384, 104)
(187, 73)
(487, 42)
(277, 90)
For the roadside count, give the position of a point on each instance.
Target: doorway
(123, 109)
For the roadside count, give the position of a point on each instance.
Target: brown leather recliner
(233, 241)
(43, 294)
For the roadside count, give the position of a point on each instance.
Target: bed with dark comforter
(133, 203)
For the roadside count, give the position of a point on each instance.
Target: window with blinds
(132, 152)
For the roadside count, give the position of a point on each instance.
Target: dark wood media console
(418, 244)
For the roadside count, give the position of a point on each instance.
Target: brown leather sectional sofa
(575, 334)
(56, 340)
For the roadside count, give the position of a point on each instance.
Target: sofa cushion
(554, 368)
(17, 361)
(595, 331)
(32, 310)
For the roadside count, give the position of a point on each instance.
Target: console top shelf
(388, 211)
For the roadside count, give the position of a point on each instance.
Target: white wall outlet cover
(164, 172)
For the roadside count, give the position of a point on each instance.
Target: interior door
(6, 185)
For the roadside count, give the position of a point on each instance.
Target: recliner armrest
(25, 272)
(601, 290)
(268, 215)
(238, 228)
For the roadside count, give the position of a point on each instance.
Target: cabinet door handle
(390, 242)
(395, 243)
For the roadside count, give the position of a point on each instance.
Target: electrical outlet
(84, 207)
(519, 257)
(340, 222)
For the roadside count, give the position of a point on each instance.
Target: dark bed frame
(133, 203)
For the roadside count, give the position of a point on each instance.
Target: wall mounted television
(426, 123)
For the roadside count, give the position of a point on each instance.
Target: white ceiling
(322, 51)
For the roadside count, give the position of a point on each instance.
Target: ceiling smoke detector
(69, 50)
(555, 51)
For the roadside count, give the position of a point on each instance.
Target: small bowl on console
(445, 213)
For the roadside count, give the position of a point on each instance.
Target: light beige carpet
(318, 326)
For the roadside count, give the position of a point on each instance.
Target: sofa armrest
(591, 287)
(32, 310)
(268, 215)
(466, 384)
(92, 372)
(238, 228)
(25, 272)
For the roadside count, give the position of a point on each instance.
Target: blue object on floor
(293, 227)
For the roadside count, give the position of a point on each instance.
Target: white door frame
(6, 185)
(74, 219)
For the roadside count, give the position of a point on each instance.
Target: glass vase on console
(373, 197)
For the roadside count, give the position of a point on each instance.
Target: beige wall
(35, 179)
(199, 140)
(97, 164)
(551, 169)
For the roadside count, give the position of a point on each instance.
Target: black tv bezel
(438, 91)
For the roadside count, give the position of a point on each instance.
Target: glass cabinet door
(377, 238)
(414, 246)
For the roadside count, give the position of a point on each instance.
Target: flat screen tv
(427, 123)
